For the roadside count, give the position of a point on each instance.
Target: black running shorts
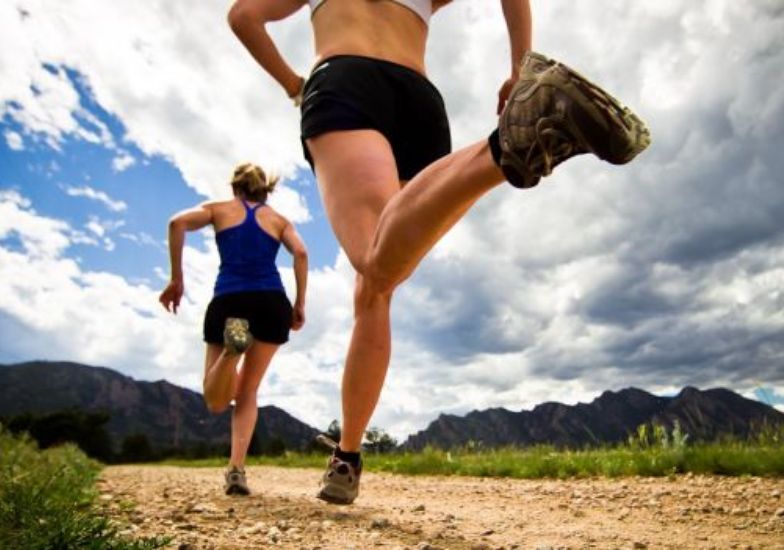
(268, 312)
(348, 92)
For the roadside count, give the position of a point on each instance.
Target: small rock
(775, 493)
(200, 508)
(273, 532)
(255, 529)
(481, 546)
(419, 508)
(424, 546)
(186, 546)
(283, 525)
(486, 533)
(379, 523)
(779, 513)
(639, 545)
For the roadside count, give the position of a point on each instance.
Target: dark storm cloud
(677, 263)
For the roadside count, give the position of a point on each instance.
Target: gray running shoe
(340, 483)
(236, 484)
(236, 335)
(554, 113)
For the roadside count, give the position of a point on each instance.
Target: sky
(663, 273)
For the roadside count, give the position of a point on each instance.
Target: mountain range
(610, 418)
(169, 416)
(172, 417)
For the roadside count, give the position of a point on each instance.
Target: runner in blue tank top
(249, 315)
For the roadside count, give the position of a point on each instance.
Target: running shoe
(340, 483)
(553, 113)
(236, 335)
(236, 484)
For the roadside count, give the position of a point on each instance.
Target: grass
(547, 462)
(48, 500)
(636, 458)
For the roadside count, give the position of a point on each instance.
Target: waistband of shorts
(377, 61)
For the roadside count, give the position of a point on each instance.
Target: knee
(371, 291)
(215, 406)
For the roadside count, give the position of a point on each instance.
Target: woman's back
(248, 238)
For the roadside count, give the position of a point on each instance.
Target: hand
(298, 317)
(296, 96)
(171, 295)
(503, 93)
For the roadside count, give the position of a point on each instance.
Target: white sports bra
(423, 8)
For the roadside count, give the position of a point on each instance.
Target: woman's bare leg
(220, 378)
(357, 176)
(243, 420)
(386, 233)
(427, 207)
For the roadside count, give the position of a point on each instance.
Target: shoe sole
(618, 135)
(237, 490)
(333, 499)
(236, 335)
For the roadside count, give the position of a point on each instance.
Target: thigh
(357, 176)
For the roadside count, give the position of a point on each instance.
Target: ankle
(353, 458)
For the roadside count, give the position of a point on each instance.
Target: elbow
(301, 254)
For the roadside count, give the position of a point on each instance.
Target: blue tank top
(247, 257)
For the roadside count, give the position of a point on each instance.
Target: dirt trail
(428, 513)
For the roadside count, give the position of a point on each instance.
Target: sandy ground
(429, 513)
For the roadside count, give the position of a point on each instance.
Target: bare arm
(519, 24)
(293, 243)
(248, 19)
(187, 220)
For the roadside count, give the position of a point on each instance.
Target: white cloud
(123, 161)
(14, 140)
(663, 273)
(92, 317)
(96, 195)
(176, 77)
(142, 239)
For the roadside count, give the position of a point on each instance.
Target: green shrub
(48, 500)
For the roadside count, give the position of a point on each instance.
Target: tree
(86, 429)
(334, 431)
(136, 448)
(378, 441)
(274, 447)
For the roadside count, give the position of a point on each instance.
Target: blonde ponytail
(250, 182)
